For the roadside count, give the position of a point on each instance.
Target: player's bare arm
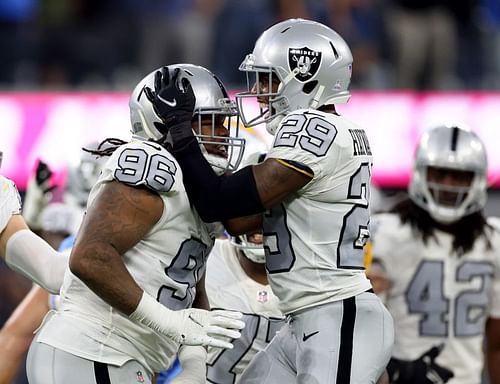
(245, 224)
(17, 332)
(119, 218)
(493, 350)
(275, 179)
(201, 298)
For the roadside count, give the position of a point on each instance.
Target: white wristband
(153, 314)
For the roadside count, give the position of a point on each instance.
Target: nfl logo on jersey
(262, 296)
(140, 377)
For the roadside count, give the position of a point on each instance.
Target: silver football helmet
(81, 178)
(311, 62)
(449, 147)
(212, 100)
(251, 245)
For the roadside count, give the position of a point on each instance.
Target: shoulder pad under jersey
(145, 163)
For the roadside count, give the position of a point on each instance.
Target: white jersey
(10, 202)
(314, 239)
(229, 287)
(87, 326)
(437, 297)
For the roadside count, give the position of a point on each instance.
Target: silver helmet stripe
(454, 138)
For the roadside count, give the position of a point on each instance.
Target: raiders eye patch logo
(306, 60)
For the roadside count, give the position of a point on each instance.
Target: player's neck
(329, 108)
(255, 271)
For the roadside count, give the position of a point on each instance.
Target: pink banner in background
(54, 127)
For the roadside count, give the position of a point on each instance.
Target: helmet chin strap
(315, 100)
(289, 77)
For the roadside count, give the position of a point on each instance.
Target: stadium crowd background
(109, 44)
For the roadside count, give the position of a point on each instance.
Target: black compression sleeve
(216, 198)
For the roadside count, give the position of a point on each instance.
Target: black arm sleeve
(216, 198)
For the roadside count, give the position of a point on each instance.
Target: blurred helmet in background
(444, 152)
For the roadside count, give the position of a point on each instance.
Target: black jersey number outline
(221, 369)
(186, 269)
(355, 232)
(280, 255)
(314, 134)
(136, 167)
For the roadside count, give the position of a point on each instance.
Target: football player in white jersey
(311, 198)
(23, 250)
(440, 259)
(236, 279)
(138, 262)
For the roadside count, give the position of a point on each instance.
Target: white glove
(190, 326)
(10, 202)
(193, 361)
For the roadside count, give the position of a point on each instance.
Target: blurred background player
(126, 303)
(436, 257)
(82, 177)
(236, 279)
(79, 182)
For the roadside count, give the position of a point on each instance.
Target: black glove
(42, 176)
(423, 370)
(173, 101)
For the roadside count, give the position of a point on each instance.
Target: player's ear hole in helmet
(449, 178)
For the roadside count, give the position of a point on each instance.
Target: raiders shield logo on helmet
(305, 60)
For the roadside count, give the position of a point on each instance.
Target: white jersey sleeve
(494, 308)
(167, 264)
(314, 239)
(144, 163)
(10, 201)
(229, 287)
